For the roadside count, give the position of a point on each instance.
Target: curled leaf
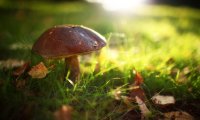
(38, 71)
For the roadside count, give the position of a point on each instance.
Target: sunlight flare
(120, 5)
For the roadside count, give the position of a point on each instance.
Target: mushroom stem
(72, 66)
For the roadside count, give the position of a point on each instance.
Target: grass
(156, 41)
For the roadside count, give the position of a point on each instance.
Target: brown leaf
(177, 115)
(38, 71)
(137, 91)
(163, 101)
(136, 94)
(64, 113)
(138, 80)
(20, 70)
(134, 91)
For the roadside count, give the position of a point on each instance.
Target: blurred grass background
(22, 23)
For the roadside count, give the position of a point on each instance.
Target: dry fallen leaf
(137, 91)
(177, 115)
(19, 71)
(138, 80)
(38, 71)
(143, 108)
(162, 100)
(136, 94)
(64, 113)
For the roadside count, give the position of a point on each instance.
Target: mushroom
(68, 41)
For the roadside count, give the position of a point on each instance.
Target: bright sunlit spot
(120, 5)
(112, 54)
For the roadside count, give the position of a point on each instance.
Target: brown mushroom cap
(68, 40)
